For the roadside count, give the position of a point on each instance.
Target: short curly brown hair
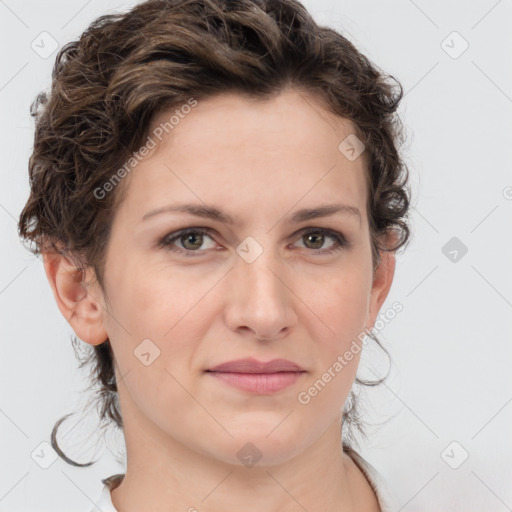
(125, 68)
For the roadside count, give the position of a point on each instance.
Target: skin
(260, 161)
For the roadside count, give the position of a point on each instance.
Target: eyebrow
(217, 214)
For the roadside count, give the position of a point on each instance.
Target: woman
(218, 197)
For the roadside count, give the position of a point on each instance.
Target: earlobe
(79, 304)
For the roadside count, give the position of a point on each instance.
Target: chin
(259, 446)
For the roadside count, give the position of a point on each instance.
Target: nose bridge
(260, 301)
(259, 266)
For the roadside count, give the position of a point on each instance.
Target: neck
(163, 474)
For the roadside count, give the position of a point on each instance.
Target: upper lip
(250, 365)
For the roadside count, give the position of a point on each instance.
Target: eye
(316, 237)
(192, 239)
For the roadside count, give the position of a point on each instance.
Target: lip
(251, 365)
(256, 376)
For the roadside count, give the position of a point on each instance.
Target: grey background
(451, 345)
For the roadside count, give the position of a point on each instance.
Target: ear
(80, 303)
(382, 280)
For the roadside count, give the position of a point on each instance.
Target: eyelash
(340, 241)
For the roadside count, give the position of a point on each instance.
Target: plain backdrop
(441, 434)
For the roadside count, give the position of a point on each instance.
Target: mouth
(258, 377)
(250, 365)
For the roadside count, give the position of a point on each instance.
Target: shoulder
(113, 481)
(104, 502)
(386, 499)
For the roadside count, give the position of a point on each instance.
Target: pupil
(318, 238)
(192, 236)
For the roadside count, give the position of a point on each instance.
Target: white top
(386, 499)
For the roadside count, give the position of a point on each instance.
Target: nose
(260, 298)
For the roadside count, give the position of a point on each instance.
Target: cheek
(168, 308)
(160, 328)
(151, 300)
(341, 309)
(340, 300)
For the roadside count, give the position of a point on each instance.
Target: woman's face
(259, 287)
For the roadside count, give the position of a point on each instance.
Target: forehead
(253, 153)
(291, 117)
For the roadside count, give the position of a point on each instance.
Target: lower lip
(262, 383)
